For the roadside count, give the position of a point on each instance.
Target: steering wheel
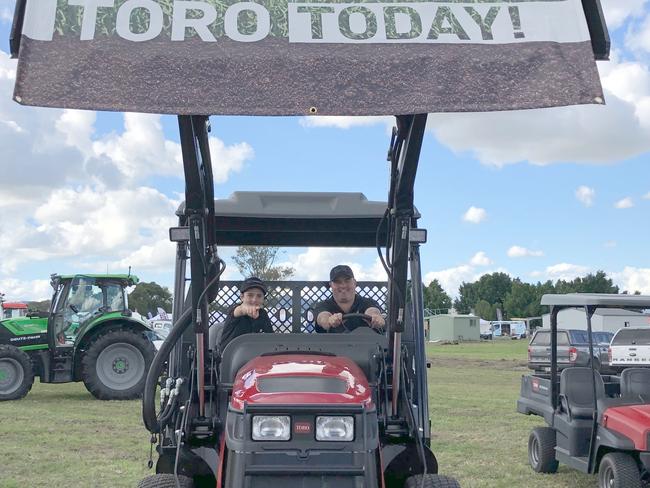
(73, 308)
(347, 316)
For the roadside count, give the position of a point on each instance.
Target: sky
(538, 194)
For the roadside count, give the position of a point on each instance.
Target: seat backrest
(635, 384)
(575, 385)
(214, 334)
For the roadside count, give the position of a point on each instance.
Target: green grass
(59, 435)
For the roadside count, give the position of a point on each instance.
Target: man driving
(345, 300)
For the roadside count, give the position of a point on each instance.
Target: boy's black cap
(252, 282)
(341, 270)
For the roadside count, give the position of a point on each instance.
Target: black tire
(115, 364)
(16, 373)
(165, 480)
(618, 470)
(431, 481)
(541, 450)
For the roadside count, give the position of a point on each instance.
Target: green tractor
(88, 335)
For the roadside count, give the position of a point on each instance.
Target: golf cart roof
(596, 299)
(298, 219)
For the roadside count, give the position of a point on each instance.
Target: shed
(604, 319)
(448, 327)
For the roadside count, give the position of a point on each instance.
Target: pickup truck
(572, 349)
(630, 347)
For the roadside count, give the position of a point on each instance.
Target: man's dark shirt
(236, 326)
(360, 305)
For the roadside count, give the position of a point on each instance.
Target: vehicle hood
(632, 421)
(300, 379)
(24, 325)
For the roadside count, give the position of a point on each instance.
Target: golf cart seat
(576, 392)
(214, 334)
(635, 384)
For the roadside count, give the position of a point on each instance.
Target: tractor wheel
(541, 450)
(16, 373)
(165, 480)
(115, 365)
(431, 481)
(618, 470)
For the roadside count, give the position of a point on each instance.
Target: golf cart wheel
(16, 373)
(115, 365)
(541, 450)
(165, 480)
(431, 481)
(618, 470)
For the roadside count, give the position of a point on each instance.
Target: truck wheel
(165, 480)
(431, 481)
(618, 470)
(541, 450)
(115, 365)
(16, 373)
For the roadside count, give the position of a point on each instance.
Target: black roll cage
(589, 302)
(198, 214)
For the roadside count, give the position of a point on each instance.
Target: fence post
(296, 309)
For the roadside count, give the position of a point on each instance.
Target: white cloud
(522, 252)
(6, 15)
(632, 279)
(475, 215)
(585, 195)
(610, 244)
(592, 134)
(617, 11)
(638, 37)
(480, 259)
(344, 122)
(646, 196)
(314, 264)
(450, 279)
(158, 256)
(565, 271)
(624, 203)
(19, 290)
(228, 159)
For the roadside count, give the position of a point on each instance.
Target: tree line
(513, 297)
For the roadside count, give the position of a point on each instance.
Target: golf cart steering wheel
(347, 316)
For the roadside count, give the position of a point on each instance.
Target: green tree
(42, 306)
(435, 297)
(259, 261)
(492, 288)
(591, 283)
(147, 297)
(485, 310)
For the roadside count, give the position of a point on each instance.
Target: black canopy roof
(298, 219)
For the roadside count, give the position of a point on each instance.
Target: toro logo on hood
(302, 428)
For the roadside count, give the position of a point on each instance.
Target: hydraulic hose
(151, 421)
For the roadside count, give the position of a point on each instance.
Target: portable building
(447, 327)
(604, 319)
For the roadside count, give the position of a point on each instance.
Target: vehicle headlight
(271, 428)
(334, 428)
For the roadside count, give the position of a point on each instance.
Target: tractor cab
(595, 423)
(77, 300)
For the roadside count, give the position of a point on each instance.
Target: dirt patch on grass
(508, 364)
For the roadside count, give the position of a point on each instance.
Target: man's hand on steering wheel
(334, 320)
(377, 321)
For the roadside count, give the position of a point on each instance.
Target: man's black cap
(252, 282)
(341, 270)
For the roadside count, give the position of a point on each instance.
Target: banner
(275, 57)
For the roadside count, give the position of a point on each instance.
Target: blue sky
(539, 194)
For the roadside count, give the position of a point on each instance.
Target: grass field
(60, 436)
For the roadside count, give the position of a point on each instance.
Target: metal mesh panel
(290, 303)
